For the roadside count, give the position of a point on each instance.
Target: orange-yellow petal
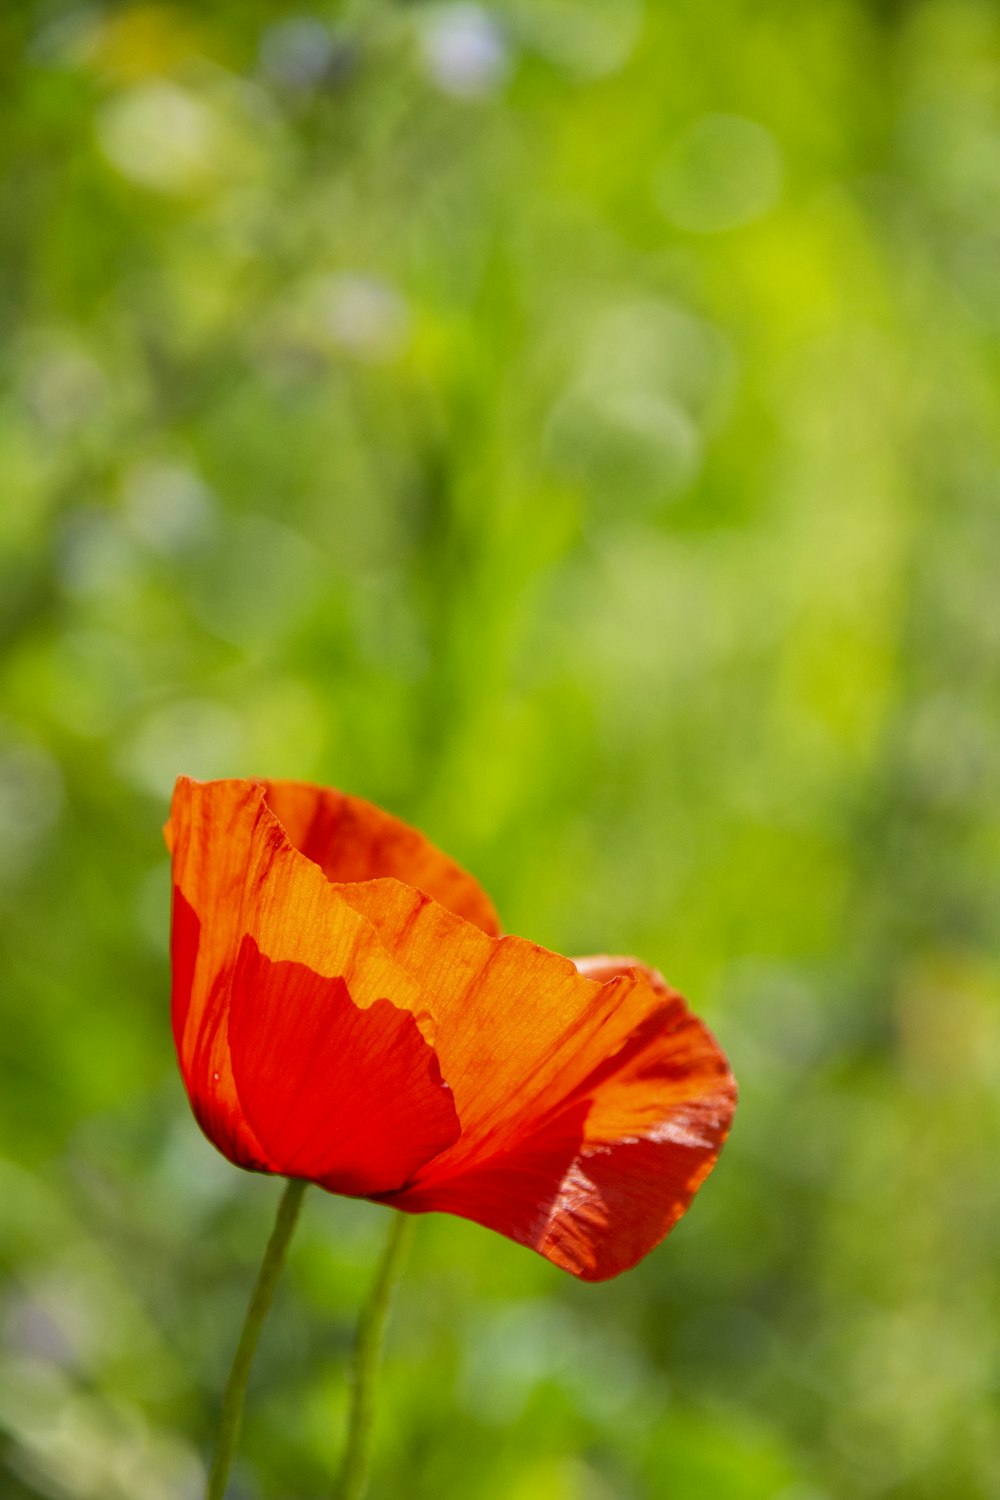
(510, 1016)
(591, 1107)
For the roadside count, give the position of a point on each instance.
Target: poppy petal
(592, 1103)
(236, 875)
(660, 1110)
(509, 1015)
(353, 840)
(627, 1149)
(352, 1099)
(317, 1020)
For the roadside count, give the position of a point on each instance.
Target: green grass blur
(575, 425)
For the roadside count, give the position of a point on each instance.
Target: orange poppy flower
(346, 1011)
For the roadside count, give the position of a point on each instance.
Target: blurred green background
(575, 425)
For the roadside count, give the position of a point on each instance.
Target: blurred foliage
(575, 426)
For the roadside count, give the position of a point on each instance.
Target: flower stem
(353, 1479)
(236, 1386)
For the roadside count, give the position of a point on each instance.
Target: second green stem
(353, 1478)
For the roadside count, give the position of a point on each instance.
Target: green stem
(236, 1386)
(353, 1478)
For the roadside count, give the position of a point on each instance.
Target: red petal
(590, 1111)
(352, 840)
(659, 1112)
(352, 1099)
